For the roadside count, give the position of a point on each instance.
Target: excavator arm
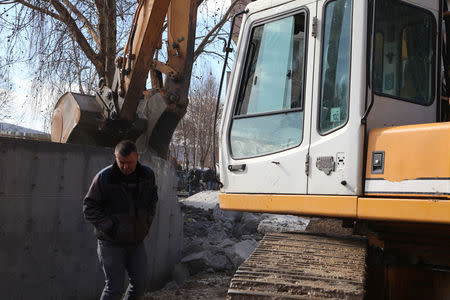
(126, 109)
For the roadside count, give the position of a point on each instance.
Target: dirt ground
(200, 286)
(215, 285)
(329, 226)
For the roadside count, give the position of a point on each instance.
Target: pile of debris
(219, 241)
(216, 242)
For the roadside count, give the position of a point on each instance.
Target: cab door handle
(235, 168)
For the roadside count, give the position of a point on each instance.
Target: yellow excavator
(339, 109)
(333, 109)
(126, 109)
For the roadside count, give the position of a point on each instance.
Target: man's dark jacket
(194, 177)
(121, 207)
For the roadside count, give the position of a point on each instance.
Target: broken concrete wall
(47, 249)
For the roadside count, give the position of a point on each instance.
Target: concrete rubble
(219, 241)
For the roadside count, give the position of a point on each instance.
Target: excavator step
(303, 266)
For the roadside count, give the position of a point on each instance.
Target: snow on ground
(204, 200)
(268, 222)
(282, 223)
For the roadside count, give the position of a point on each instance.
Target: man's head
(126, 156)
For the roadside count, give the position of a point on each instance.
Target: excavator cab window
(268, 114)
(335, 66)
(404, 59)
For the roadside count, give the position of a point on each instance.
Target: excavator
(334, 108)
(127, 109)
(339, 109)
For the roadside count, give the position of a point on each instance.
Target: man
(121, 204)
(208, 178)
(194, 181)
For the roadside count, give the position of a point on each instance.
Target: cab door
(337, 135)
(266, 126)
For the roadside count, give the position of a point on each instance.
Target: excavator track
(302, 266)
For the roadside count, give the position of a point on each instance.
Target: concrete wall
(47, 250)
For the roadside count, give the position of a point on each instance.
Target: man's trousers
(115, 260)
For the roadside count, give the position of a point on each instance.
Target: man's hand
(112, 232)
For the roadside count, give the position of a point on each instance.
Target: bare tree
(204, 93)
(65, 43)
(194, 135)
(5, 94)
(181, 147)
(212, 27)
(71, 43)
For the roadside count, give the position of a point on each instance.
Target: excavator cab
(309, 84)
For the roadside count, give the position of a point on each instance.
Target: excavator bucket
(76, 119)
(80, 119)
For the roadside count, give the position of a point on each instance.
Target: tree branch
(212, 33)
(214, 53)
(77, 65)
(101, 26)
(110, 36)
(84, 20)
(67, 19)
(40, 9)
(107, 30)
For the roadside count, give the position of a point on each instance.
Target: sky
(22, 111)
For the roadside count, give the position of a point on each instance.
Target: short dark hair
(125, 148)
